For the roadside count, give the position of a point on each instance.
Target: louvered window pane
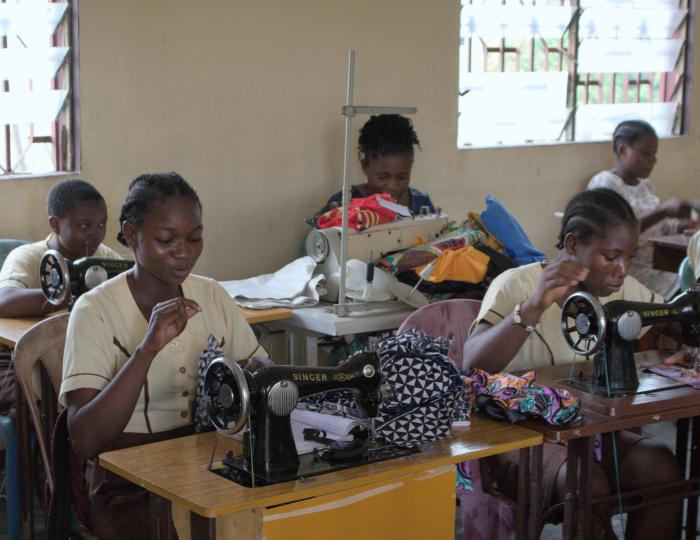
(616, 59)
(35, 87)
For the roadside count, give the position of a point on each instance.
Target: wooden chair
(38, 360)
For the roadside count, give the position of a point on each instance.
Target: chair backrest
(7, 245)
(686, 276)
(41, 347)
(450, 319)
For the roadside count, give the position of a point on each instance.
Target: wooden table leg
(521, 513)
(583, 497)
(534, 483)
(577, 504)
(691, 519)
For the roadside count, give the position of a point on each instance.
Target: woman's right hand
(168, 320)
(675, 207)
(556, 280)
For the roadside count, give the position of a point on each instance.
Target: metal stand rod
(349, 110)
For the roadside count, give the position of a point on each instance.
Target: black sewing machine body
(609, 332)
(264, 401)
(62, 279)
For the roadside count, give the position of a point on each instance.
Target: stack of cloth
(464, 260)
(294, 285)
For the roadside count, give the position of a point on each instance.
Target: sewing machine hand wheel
(54, 277)
(583, 323)
(227, 395)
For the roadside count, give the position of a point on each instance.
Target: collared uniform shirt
(21, 267)
(106, 326)
(546, 345)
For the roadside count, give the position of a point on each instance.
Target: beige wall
(243, 99)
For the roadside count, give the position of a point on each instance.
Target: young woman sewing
(518, 327)
(385, 149)
(134, 345)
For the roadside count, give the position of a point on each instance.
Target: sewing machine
(61, 279)
(323, 245)
(263, 402)
(609, 332)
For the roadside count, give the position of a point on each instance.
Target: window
(545, 71)
(38, 74)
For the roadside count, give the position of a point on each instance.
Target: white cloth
(642, 199)
(294, 285)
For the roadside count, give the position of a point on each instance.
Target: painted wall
(243, 99)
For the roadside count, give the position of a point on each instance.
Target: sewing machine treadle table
(605, 415)
(409, 498)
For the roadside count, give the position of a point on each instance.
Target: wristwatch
(519, 320)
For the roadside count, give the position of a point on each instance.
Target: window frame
(570, 53)
(65, 129)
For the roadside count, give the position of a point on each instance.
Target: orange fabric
(466, 264)
(363, 214)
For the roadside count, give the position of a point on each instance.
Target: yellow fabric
(21, 267)
(106, 326)
(545, 346)
(467, 264)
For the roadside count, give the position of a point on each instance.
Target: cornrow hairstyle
(147, 188)
(629, 132)
(63, 196)
(592, 213)
(386, 134)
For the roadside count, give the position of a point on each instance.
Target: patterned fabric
(429, 392)
(363, 214)
(418, 199)
(514, 398)
(200, 416)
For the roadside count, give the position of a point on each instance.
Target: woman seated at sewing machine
(518, 328)
(385, 150)
(137, 344)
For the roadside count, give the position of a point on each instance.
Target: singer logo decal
(318, 377)
(655, 313)
(341, 377)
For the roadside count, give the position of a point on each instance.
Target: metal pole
(342, 310)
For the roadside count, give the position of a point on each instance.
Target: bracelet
(517, 317)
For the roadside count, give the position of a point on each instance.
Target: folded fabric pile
(363, 213)
(429, 395)
(294, 285)
(515, 398)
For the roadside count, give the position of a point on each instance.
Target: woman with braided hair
(385, 150)
(518, 328)
(137, 345)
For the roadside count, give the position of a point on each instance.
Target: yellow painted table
(408, 497)
(12, 329)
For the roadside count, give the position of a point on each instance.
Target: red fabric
(363, 214)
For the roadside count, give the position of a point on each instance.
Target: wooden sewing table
(605, 415)
(12, 329)
(669, 251)
(408, 497)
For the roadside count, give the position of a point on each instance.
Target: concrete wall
(243, 99)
